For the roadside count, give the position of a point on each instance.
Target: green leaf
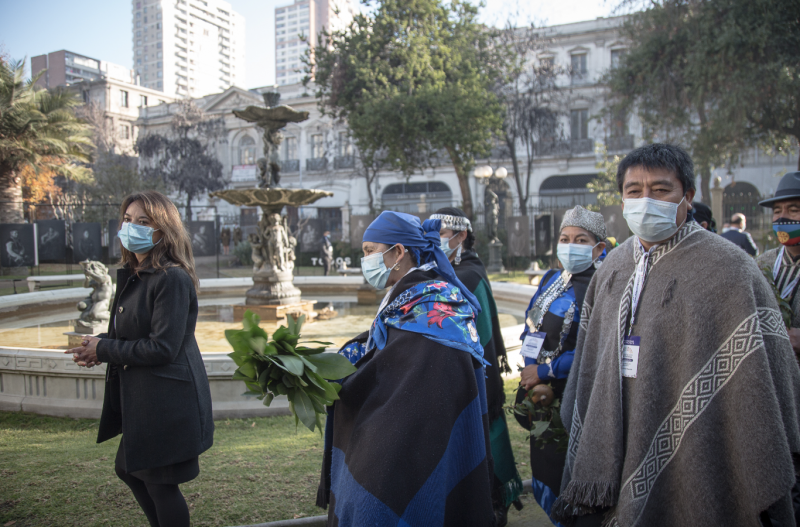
(270, 349)
(280, 334)
(268, 399)
(293, 364)
(538, 428)
(304, 350)
(304, 409)
(258, 344)
(237, 376)
(332, 365)
(248, 369)
(250, 320)
(331, 393)
(238, 357)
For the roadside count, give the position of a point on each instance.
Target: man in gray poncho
(682, 404)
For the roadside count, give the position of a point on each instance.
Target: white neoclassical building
(317, 153)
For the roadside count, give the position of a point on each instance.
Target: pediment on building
(233, 99)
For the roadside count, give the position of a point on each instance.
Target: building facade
(317, 153)
(64, 68)
(297, 27)
(187, 48)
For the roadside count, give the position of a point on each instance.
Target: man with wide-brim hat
(783, 263)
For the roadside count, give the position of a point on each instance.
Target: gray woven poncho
(704, 434)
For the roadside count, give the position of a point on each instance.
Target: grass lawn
(52, 473)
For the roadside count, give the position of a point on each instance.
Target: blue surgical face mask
(575, 257)
(137, 239)
(374, 269)
(445, 246)
(650, 219)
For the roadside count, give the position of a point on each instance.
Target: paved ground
(530, 516)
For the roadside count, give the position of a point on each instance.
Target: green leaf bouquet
(282, 367)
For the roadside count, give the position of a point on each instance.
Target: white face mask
(650, 219)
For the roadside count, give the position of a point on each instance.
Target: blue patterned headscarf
(422, 240)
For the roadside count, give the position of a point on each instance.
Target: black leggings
(163, 505)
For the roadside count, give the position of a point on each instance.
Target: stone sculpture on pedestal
(95, 307)
(271, 120)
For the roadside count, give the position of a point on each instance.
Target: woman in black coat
(157, 394)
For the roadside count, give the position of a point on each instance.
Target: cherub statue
(95, 308)
(257, 254)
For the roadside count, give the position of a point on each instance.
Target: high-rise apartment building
(297, 26)
(188, 48)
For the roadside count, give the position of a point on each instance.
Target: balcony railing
(620, 143)
(290, 165)
(316, 164)
(565, 148)
(342, 162)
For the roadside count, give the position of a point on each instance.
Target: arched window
(247, 151)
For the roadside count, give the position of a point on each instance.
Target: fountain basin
(43, 380)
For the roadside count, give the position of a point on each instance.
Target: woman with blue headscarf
(407, 442)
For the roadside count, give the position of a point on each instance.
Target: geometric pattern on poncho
(698, 394)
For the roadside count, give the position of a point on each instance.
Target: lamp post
(484, 175)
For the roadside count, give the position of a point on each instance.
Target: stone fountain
(273, 295)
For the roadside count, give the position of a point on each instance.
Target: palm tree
(37, 128)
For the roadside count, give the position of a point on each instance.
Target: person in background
(681, 345)
(157, 394)
(457, 243)
(702, 215)
(552, 321)
(783, 263)
(407, 443)
(326, 252)
(225, 238)
(738, 236)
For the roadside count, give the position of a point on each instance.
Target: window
(138, 23)
(86, 97)
(619, 123)
(138, 33)
(138, 15)
(616, 56)
(138, 43)
(579, 124)
(123, 100)
(124, 131)
(317, 149)
(138, 61)
(160, 74)
(578, 64)
(142, 101)
(247, 151)
(345, 147)
(158, 64)
(158, 25)
(290, 148)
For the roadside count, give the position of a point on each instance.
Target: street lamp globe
(483, 172)
(501, 173)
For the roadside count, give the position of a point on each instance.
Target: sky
(101, 29)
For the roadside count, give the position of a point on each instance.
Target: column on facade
(346, 222)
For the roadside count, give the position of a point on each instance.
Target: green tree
(676, 98)
(531, 100)
(38, 129)
(412, 81)
(751, 47)
(604, 186)
(184, 158)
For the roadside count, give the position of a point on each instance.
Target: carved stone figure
(257, 249)
(492, 214)
(95, 308)
(271, 120)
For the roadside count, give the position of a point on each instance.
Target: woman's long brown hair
(174, 249)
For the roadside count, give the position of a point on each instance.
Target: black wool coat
(161, 401)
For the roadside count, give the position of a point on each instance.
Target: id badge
(532, 346)
(630, 356)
